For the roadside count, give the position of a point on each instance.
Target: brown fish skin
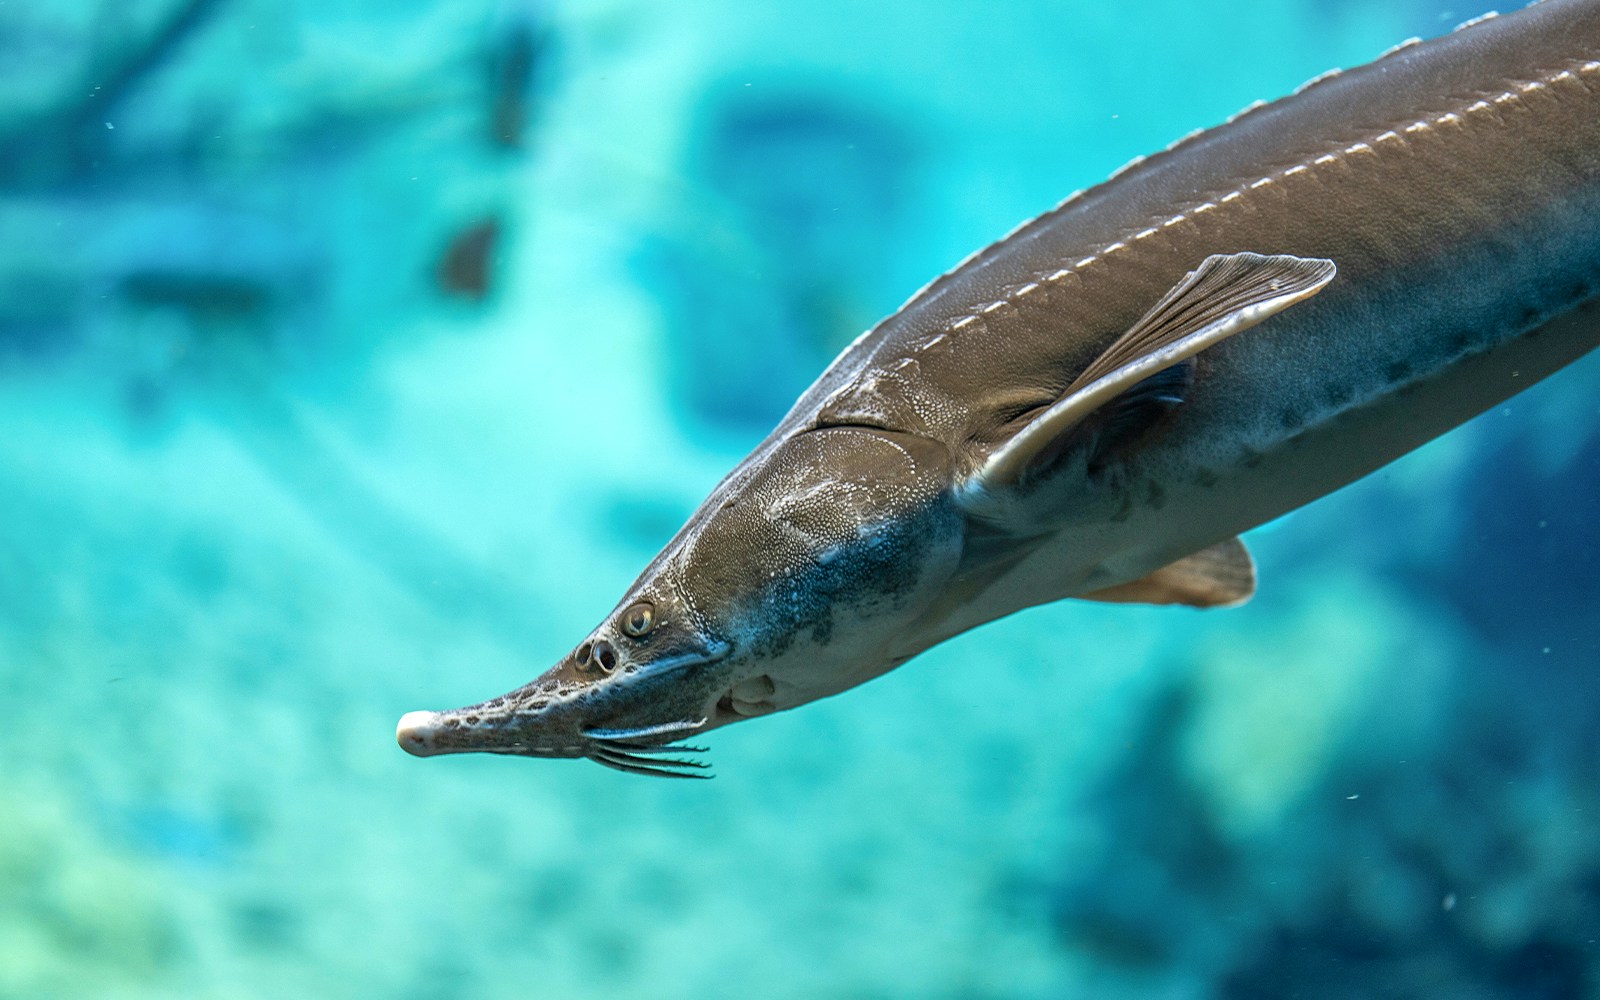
(1454, 183)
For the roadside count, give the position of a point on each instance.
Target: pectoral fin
(1222, 576)
(1225, 295)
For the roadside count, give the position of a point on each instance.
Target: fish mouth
(645, 750)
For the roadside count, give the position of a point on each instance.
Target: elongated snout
(504, 725)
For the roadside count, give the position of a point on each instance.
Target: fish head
(796, 572)
(630, 688)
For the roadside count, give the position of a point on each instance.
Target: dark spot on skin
(1125, 511)
(1398, 371)
(1459, 342)
(1290, 417)
(822, 632)
(1250, 458)
(472, 720)
(452, 723)
(1155, 495)
(1531, 316)
(1205, 478)
(1337, 396)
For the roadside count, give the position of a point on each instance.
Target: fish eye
(638, 620)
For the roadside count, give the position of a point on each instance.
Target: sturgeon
(1097, 405)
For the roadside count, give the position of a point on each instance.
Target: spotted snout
(538, 729)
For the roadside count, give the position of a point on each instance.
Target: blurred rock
(128, 172)
(1461, 862)
(1532, 521)
(807, 186)
(518, 69)
(467, 266)
(77, 917)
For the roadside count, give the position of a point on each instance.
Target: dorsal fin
(1219, 577)
(1223, 296)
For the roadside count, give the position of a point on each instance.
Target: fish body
(1099, 403)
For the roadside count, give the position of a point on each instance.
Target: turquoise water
(355, 356)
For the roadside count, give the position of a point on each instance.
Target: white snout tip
(415, 733)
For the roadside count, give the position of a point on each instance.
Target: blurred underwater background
(356, 355)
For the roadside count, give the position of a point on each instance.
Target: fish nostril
(605, 656)
(583, 654)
